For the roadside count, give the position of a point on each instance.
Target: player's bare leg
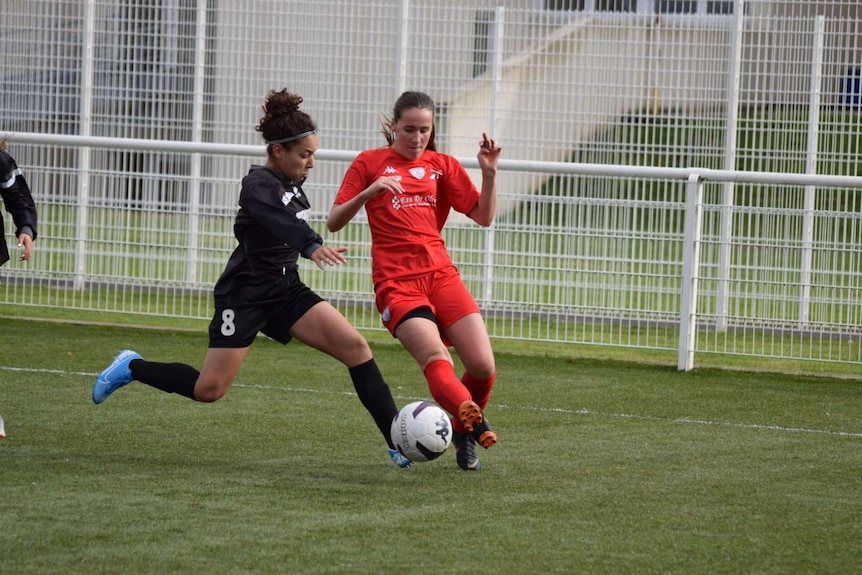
(421, 338)
(218, 372)
(208, 385)
(469, 337)
(324, 328)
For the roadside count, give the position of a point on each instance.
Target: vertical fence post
(401, 65)
(721, 302)
(496, 67)
(84, 153)
(496, 88)
(197, 136)
(690, 267)
(811, 168)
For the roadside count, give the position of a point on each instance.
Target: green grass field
(602, 467)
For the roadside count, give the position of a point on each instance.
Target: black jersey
(272, 232)
(18, 201)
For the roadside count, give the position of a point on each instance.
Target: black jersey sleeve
(281, 211)
(16, 196)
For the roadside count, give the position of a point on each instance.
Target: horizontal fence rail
(681, 260)
(659, 192)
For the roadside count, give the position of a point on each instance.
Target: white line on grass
(688, 420)
(521, 407)
(54, 371)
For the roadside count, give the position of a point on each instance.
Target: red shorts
(442, 291)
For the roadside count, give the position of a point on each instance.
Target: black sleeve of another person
(18, 201)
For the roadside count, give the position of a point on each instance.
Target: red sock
(446, 389)
(480, 389)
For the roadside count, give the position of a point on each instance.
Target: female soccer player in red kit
(407, 189)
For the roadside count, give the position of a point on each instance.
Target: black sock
(170, 377)
(375, 395)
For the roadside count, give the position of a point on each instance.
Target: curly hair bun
(282, 117)
(282, 102)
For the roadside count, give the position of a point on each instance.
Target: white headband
(291, 138)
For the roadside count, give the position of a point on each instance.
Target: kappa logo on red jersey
(390, 170)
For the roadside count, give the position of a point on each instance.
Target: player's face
(412, 132)
(294, 162)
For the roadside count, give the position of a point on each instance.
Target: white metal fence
(133, 122)
(628, 256)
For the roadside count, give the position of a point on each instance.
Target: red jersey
(405, 228)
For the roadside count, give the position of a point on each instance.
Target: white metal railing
(693, 236)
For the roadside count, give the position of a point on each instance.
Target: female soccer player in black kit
(260, 289)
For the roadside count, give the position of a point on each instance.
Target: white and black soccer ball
(421, 431)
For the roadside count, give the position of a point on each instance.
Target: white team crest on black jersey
(417, 173)
(286, 196)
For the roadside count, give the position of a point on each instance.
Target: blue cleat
(399, 459)
(114, 376)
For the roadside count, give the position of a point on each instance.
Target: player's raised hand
(327, 256)
(489, 152)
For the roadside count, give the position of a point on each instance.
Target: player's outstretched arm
(489, 154)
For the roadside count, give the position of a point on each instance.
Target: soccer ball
(421, 431)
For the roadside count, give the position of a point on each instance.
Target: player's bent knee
(355, 351)
(483, 372)
(433, 355)
(210, 392)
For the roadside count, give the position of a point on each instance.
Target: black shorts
(237, 321)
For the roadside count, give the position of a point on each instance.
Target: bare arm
(484, 211)
(341, 214)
